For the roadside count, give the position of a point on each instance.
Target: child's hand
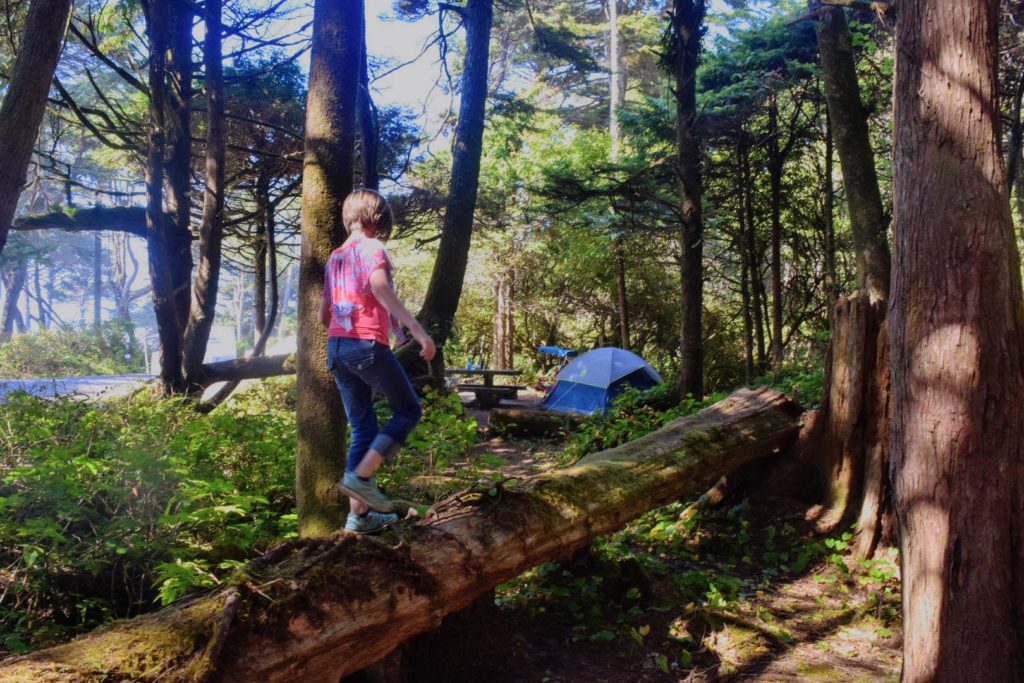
(428, 350)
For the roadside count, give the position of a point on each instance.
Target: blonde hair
(369, 209)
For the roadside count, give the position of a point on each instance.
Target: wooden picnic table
(487, 394)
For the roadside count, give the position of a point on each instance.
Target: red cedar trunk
(956, 326)
(25, 102)
(211, 229)
(326, 181)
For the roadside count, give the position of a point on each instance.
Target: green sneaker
(370, 523)
(366, 492)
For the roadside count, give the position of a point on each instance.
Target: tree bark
(211, 228)
(15, 277)
(159, 242)
(97, 279)
(326, 181)
(956, 327)
(179, 94)
(24, 104)
(687, 30)
(288, 620)
(368, 133)
(849, 124)
(445, 289)
(776, 159)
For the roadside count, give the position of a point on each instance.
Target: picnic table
(488, 395)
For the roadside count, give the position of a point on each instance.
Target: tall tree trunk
(616, 98)
(97, 279)
(687, 29)
(753, 257)
(957, 326)
(211, 229)
(849, 123)
(179, 161)
(622, 297)
(326, 181)
(44, 322)
(831, 282)
(445, 288)
(368, 133)
(260, 249)
(498, 348)
(775, 164)
(159, 242)
(745, 265)
(25, 101)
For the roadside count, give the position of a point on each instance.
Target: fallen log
(520, 421)
(317, 610)
(237, 369)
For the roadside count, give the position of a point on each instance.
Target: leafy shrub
(444, 434)
(68, 351)
(805, 384)
(107, 510)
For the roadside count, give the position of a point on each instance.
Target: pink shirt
(355, 311)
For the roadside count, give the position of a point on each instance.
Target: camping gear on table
(590, 382)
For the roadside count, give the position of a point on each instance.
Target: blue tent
(590, 382)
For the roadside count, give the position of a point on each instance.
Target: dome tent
(589, 382)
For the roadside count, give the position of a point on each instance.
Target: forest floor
(746, 591)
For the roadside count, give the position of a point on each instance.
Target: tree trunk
(326, 181)
(298, 625)
(850, 446)
(831, 281)
(956, 326)
(445, 288)
(775, 164)
(159, 243)
(44, 322)
(179, 161)
(745, 259)
(15, 277)
(368, 140)
(849, 123)
(622, 296)
(687, 31)
(211, 228)
(97, 279)
(753, 256)
(25, 101)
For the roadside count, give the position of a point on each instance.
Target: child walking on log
(360, 309)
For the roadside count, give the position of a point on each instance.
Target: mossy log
(521, 421)
(317, 610)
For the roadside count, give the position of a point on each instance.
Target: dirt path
(742, 593)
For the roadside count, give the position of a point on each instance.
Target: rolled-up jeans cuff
(386, 446)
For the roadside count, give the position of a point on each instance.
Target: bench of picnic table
(491, 396)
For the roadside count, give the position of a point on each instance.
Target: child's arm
(381, 288)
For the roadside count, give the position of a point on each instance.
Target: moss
(820, 672)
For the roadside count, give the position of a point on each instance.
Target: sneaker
(370, 523)
(366, 492)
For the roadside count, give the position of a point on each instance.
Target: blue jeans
(361, 366)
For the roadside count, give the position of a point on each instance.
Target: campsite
(401, 341)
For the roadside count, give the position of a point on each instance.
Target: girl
(360, 309)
